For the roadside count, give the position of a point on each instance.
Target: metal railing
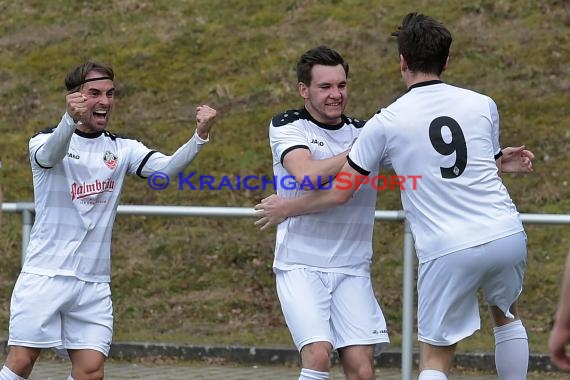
(27, 211)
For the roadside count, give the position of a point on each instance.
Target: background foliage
(199, 280)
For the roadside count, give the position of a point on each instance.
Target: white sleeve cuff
(199, 140)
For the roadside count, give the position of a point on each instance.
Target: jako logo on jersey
(110, 160)
(73, 155)
(83, 190)
(319, 143)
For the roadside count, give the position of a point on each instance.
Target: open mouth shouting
(100, 116)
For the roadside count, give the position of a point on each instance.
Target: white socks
(309, 374)
(432, 374)
(7, 374)
(511, 351)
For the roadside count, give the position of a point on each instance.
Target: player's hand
(517, 160)
(559, 338)
(269, 212)
(205, 116)
(76, 105)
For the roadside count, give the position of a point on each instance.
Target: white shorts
(448, 304)
(331, 307)
(61, 312)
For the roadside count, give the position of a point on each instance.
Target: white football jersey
(450, 137)
(335, 240)
(76, 202)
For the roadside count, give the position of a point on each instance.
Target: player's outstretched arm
(274, 209)
(301, 164)
(177, 162)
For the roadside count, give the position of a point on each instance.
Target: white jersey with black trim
(76, 202)
(335, 240)
(450, 137)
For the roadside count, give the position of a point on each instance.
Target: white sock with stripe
(7, 374)
(511, 351)
(309, 374)
(432, 374)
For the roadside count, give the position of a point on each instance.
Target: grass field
(201, 280)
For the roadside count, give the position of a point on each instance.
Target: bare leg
(21, 360)
(87, 364)
(499, 317)
(439, 358)
(316, 356)
(358, 362)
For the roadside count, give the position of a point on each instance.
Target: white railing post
(408, 304)
(27, 222)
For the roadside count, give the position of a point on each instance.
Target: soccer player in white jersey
(322, 261)
(468, 234)
(62, 297)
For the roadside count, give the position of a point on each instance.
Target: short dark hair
(321, 55)
(424, 43)
(76, 77)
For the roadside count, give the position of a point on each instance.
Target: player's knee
(316, 356)
(96, 375)
(358, 369)
(320, 359)
(364, 372)
(21, 362)
(93, 372)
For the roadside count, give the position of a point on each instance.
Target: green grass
(200, 280)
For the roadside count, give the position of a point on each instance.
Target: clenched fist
(76, 105)
(205, 116)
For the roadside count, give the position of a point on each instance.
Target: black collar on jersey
(426, 83)
(93, 79)
(86, 135)
(323, 125)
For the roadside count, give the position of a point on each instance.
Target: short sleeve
(494, 113)
(368, 152)
(285, 138)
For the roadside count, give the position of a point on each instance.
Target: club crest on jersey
(110, 160)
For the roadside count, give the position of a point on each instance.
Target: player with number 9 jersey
(460, 200)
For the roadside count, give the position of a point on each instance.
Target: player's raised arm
(56, 145)
(177, 162)
(205, 116)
